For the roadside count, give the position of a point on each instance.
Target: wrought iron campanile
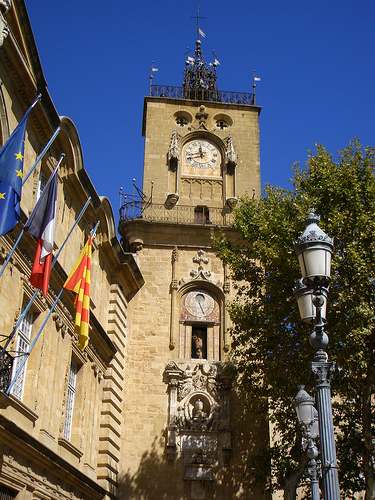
(200, 80)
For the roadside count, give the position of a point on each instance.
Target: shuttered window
(23, 344)
(70, 400)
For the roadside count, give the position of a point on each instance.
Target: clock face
(199, 303)
(201, 157)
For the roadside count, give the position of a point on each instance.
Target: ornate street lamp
(306, 412)
(314, 250)
(308, 420)
(304, 296)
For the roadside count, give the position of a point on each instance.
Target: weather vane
(197, 17)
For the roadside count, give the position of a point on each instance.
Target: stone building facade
(155, 413)
(53, 445)
(183, 414)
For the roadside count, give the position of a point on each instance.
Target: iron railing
(6, 364)
(223, 96)
(179, 214)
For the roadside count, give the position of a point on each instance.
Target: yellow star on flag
(18, 156)
(2, 196)
(19, 173)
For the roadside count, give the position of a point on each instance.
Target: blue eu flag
(11, 172)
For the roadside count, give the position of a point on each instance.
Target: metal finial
(312, 218)
(199, 78)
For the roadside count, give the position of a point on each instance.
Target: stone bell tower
(201, 155)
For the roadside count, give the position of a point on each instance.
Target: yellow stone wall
(166, 253)
(160, 117)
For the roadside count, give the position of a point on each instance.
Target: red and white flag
(41, 224)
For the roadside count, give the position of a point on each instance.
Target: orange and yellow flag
(79, 282)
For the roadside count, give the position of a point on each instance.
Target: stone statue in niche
(198, 412)
(197, 351)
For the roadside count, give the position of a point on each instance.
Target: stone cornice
(15, 433)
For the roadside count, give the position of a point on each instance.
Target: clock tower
(183, 418)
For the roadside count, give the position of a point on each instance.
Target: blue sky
(315, 60)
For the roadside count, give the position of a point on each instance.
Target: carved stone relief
(198, 431)
(201, 260)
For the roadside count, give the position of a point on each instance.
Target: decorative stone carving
(230, 158)
(97, 371)
(198, 430)
(200, 273)
(200, 259)
(232, 202)
(4, 28)
(58, 321)
(172, 199)
(175, 254)
(174, 150)
(202, 114)
(5, 5)
(3, 253)
(136, 244)
(17, 314)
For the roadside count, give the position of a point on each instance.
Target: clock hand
(197, 154)
(200, 155)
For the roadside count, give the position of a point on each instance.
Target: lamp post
(308, 420)
(314, 249)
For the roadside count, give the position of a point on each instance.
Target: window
(199, 342)
(221, 124)
(70, 400)
(22, 346)
(201, 215)
(42, 181)
(181, 121)
(7, 493)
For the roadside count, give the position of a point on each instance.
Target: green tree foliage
(270, 347)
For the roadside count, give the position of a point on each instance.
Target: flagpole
(95, 228)
(151, 76)
(38, 97)
(70, 232)
(26, 354)
(42, 154)
(11, 252)
(21, 233)
(36, 291)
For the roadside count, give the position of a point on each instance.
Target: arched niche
(200, 311)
